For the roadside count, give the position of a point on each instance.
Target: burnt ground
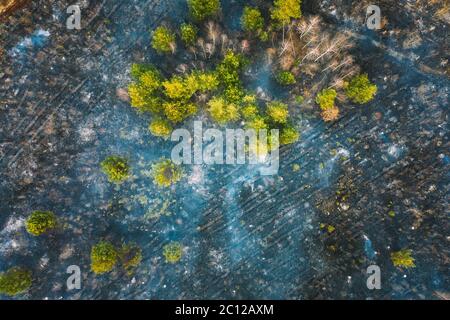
(245, 236)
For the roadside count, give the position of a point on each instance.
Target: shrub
(165, 173)
(160, 128)
(173, 252)
(103, 257)
(188, 34)
(288, 135)
(222, 111)
(15, 281)
(285, 10)
(163, 40)
(285, 78)
(360, 89)
(252, 20)
(277, 112)
(116, 168)
(325, 98)
(130, 256)
(201, 9)
(403, 258)
(40, 222)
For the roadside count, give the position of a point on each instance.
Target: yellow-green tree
(15, 281)
(403, 258)
(103, 257)
(360, 89)
(163, 40)
(165, 173)
(252, 20)
(40, 222)
(285, 10)
(173, 252)
(221, 111)
(202, 9)
(188, 34)
(277, 112)
(160, 128)
(116, 168)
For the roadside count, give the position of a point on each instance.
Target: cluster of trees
(104, 257)
(173, 100)
(359, 90)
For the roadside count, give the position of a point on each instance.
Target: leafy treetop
(285, 10)
(15, 281)
(103, 257)
(40, 222)
(188, 34)
(202, 9)
(325, 98)
(116, 168)
(252, 20)
(360, 89)
(163, 40)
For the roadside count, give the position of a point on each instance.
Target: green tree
(202, 9)
(403, 258)
(288, 135)
(15, 281)
(160, 128)
(173, 252)
(103, 257)
(325, 99)
(252, 20)
(116, 168)
(177, 111)
(222, 111)
(40, 222)
(163, 40)
(257, 123)
(165, 173)
(285, 10)
(249, 111)
(277, 112)
(285, 78)
(360, 89)
(188, 34)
